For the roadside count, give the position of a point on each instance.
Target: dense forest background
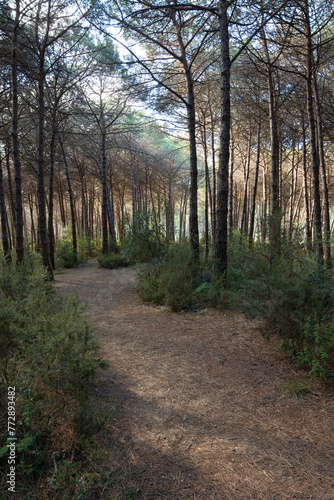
(242, 98)
(193, 137)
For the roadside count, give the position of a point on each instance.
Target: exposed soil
(203, 411)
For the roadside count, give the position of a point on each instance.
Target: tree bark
(4, 231)
(16, 150)
(306, 196)
(312, 132)
(275, 219)
(326, 210)
(222, 193)
(73, 219)
(257, 167)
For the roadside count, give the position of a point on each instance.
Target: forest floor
(203, 409)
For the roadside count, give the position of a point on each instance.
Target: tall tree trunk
(306, 196)
(41, 185)
(10, 186)
(312, 132)
(4, 231)
(104, 186)
(134, 225)
(31, 209)
(72, 207)
(16, 151)
(275, 219)
(208, 194)
(231, 187)
(320, 140)
(84, 204)
(111, 211)
(246, 178)
(224, 152)
(170, 211)
(292, 191)
(257, 167)
(191, 121)
(214, 185)
(52, 188)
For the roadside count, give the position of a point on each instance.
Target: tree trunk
(320, 140)
(257, 167)
(275, 219)
(31, 209)
(191, 121)
(51, 188)
(244, 217)
(16, 151)
(222, 192)
(4, 232)
(111, 212)
(312, 132)
(231, 186)
(41, 185)
(214, 186)
(73, 220)
(134, 225)
(306, 197)
(104, 188)
(208, 194)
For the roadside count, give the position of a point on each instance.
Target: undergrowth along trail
(206, 407)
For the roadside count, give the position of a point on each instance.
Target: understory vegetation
(50, 357)
(291, 295)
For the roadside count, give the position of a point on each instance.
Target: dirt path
(203, 411)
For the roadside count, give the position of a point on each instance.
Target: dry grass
(203, 411)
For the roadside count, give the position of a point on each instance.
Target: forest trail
(202, 407)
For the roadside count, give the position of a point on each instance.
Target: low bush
(172, 280)
(315, 348)
(64, 254)
(144, 241)
(112, 260)
(49, 356)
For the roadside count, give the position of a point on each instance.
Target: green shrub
(65, 256)
(171, 281)
(291, 292)
(144, 241)
(49, 356)
(112, 260)
(315, 349)
(88, 246)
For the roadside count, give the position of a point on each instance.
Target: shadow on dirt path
(203, 411)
